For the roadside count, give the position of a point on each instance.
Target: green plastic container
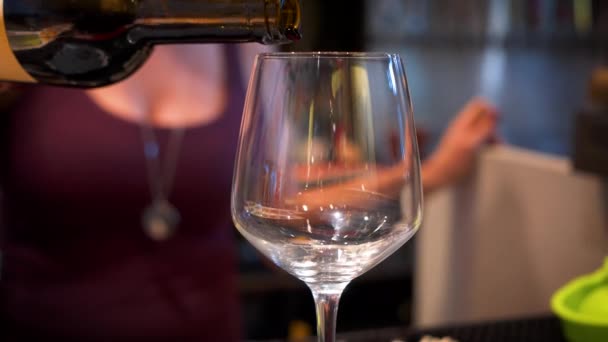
(582, 306)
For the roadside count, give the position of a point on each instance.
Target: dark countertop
(533, 329)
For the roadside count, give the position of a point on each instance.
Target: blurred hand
(453, 159)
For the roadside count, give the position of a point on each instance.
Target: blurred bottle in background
(591, 125)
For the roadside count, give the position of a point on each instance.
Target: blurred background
(534, 60)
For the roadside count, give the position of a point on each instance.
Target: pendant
(160, 220)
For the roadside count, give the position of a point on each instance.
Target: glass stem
(327, 298)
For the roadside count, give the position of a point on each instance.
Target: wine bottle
(91, 43)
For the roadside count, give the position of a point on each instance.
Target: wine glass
(327, 175)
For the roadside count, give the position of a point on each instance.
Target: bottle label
(10, 68)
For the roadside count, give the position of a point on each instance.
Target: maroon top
(75, 260)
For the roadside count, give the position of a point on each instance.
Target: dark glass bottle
(591, 125)
(91, 43)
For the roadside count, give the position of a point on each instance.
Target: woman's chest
(61, 147)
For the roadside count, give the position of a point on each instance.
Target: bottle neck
(207, 21)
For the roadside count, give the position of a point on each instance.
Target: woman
(76, 262)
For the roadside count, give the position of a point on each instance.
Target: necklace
(160, 218)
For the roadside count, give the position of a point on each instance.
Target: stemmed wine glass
(327, 175)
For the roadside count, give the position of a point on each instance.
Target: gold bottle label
(10, 68)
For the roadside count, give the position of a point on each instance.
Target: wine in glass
(327, 175)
